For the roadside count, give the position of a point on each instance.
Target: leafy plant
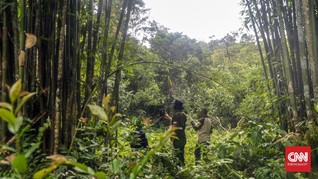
(274, 168)
(58, 160)
(165, 138)
(9, 111)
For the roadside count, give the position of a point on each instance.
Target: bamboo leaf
(115, 166)
(23, 93)
(4, 147)
(78, 166)
(59, 159)
(6, 106)
(15, 91)
(115, 126)
(106, 102)
(17, 125)
(24, 100)
(42, 173)
(81, 167)
(7, 116)
(113, 109)
(30, 40)
(31, 150)
(98, 111)
(19, 163)
(316, 107)
(115, 118)
(22, 57)
(100, 175)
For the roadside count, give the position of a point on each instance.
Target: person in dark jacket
(139, 138)
(179, 120)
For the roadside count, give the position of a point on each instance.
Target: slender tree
(59, 88)
(4, 62)
(14, 17)
(287, 67)
(309, 24)
(302, 57)
(89, 52)
(22, 53)
(103, 77)
(114, 43)
(120, 61)
(257, 38)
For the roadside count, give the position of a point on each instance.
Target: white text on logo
(298, 157)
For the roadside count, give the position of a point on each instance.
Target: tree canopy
(77, 76)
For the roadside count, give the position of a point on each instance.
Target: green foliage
(252, 145)
(173, 46)
(251, 150)
(274, 168)
(19, 160)
(59, 160)
(9, 112)
(258, 102)
(140, 91)
(311, 137)
(19, 164)
(165, 138)
(223, 76)
(14, 123)
(90, 145)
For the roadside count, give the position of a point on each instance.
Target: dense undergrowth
(253, 149)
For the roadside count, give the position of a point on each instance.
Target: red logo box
(297, 158)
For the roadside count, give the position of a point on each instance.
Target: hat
(178, 105)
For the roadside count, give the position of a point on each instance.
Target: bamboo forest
(98, 89)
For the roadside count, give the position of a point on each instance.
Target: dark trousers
(200, 149)
(179, 154)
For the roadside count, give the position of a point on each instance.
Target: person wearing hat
(179, 140)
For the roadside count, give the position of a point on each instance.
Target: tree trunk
(303, 59)
(311, 41)
(14, 16)
(90, 58)
(103, 77)
(257, 38)
(114, 43)
(288, 70)
(22, 57)
(121, 55)
(66, 83)
(4, 62)
(266, 41)
(70, 75)
(299, 76)
(59, 91)
(73, 99)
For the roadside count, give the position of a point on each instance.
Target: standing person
(203, 127)
(179, 120)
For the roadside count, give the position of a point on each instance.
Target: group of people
(203, 127)
(179, 119)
